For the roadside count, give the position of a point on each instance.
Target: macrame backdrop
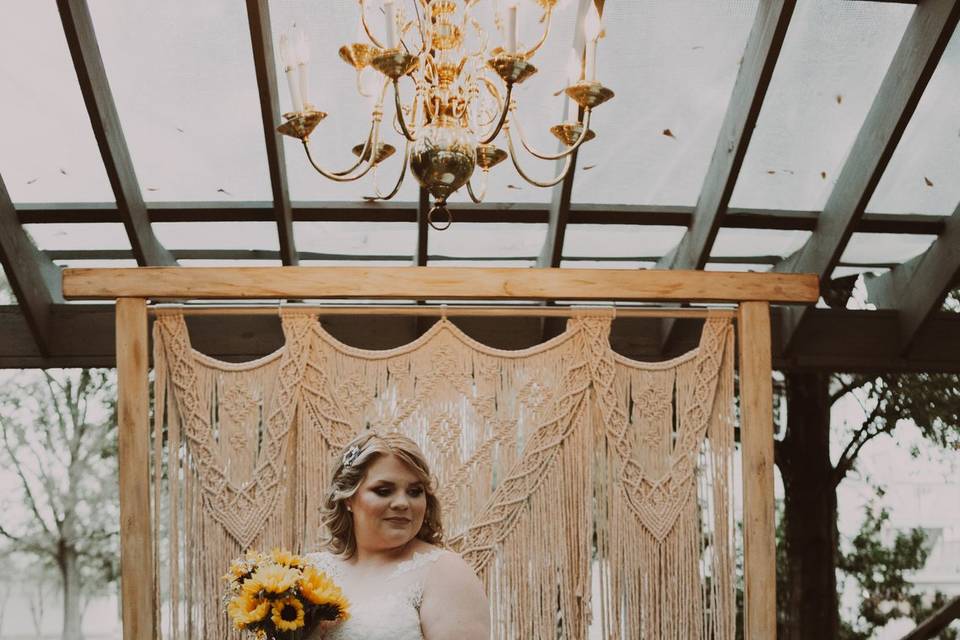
(591, 493)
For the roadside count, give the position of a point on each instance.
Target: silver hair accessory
(351, 455)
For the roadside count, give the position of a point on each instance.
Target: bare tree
(58, 438)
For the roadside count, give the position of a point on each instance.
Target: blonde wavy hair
(339, 536)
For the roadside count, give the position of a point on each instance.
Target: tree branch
(855, 382)
(860, 438)
(31, 501)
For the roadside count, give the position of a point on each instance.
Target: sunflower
(317, 588)
(244, 609)
(275, 579)
(287, 559)
(287, 614)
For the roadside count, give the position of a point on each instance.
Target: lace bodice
(387, 609)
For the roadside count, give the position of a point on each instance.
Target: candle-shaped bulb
(303, 58)
(592, 29)
(288, 57)
(512, 27)
(390, 13)
(574, 75)
(591, 24)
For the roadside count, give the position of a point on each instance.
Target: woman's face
(389, 505)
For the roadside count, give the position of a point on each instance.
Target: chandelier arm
(483, 193)
(505, 109)
(363, 154)
(338, 178)
(366, 27)
(543, 38)
(554, 156)
(403, 125)
(403, 173)
(537, 183)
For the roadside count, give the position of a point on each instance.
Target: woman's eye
(383, 492)
(416, 492)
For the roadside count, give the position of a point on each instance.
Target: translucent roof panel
(834, 57)
(924, 174)
(183, 80)
(217, 235)
(737, 266)
(495, 264)
(96, 264)
(488, 240)
(357, 238)
(752, 242)
(627, 241)
(333, 89)
(48, 151)
(6, 293)
(873, 248)
(673, 66)
(100, 235)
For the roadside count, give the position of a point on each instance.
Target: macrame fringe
(588, 491)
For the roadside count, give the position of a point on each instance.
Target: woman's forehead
(389, 468)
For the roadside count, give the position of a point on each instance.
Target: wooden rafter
(82, 42)
(559, 212)
(423, 229)
(916, 289)
(759, 59)
(926, 36)
(35, 280)
(261, 37)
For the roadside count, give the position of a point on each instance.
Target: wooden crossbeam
(427, 283)
(926, 36)
(833, 339)
(261, 37)
(82, 42)
(916, 289)
(34, 278)
(641, 215)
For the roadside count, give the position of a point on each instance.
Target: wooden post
(136, 545)
(756, 437)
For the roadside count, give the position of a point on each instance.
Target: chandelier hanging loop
(458, 110)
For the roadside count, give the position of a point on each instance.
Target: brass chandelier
(458, 109)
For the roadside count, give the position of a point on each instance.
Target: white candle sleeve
(512, 29)
(390, 12)
(294, 85)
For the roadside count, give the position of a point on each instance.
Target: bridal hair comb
(351, 455)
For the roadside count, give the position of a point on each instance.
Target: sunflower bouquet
(281, 596)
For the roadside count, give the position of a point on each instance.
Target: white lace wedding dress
(386, 610)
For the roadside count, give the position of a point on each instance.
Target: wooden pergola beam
(642, 215)
(916, 289)
(428, 283)
(759, 60)
(926, 36)
(832, 340)
(34, 278)
(261, 37)
(82, 42)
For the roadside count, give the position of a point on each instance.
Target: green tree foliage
(810, 549)
(58, 440)
(880, 570)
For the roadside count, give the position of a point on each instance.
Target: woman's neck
(374, 557)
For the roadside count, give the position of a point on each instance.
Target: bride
(384, 541)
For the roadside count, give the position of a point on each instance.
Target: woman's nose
(400, 503)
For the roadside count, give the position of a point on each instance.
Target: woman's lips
(398, 520)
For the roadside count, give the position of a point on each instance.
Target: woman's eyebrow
(417, 483)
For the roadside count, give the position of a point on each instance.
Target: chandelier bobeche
(458, 109)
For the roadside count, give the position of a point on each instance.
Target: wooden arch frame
(751, 292)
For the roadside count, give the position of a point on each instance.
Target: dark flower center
(288, 613)
(328, 612)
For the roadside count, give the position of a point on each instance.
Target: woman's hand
(454, 602)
